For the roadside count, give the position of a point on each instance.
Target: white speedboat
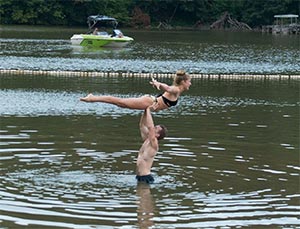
(99, 37)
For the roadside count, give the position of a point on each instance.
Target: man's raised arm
(146, 122)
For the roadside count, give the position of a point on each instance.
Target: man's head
(161, 131)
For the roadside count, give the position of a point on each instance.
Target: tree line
(144, 13)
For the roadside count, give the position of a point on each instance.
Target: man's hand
(154, 107)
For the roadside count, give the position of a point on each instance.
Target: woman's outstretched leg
(140, 103)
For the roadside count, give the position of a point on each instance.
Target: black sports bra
(168, 102)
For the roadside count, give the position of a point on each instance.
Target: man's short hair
(163, 132)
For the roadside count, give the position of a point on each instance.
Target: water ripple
(42, 103)
(135, 65)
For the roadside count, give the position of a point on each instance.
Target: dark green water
(231, 159)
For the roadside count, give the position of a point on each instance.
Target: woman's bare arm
(164, 86)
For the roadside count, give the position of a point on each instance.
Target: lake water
(157, 51)
(231, 159)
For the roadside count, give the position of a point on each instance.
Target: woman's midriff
(161, 104)
(156, 102)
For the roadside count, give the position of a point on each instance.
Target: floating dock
(282, 29)
(149, 75)
(285, 24)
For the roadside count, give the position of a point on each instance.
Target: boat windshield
(95, 21)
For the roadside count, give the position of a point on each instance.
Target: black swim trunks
(147, 179)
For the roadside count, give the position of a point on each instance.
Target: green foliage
(174, 12)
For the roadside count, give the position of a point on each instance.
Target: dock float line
(148, 75)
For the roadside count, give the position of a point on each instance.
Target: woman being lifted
(168, 98)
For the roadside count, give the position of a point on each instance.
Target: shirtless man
(150, 135)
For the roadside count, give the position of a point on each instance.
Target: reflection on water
(145, 208)
(231, 158)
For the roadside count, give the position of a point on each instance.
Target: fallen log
(226, 21)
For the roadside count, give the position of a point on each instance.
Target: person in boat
(168, 98)
(95, 31)
(151, 135)
(100, 31)
(117, 33)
